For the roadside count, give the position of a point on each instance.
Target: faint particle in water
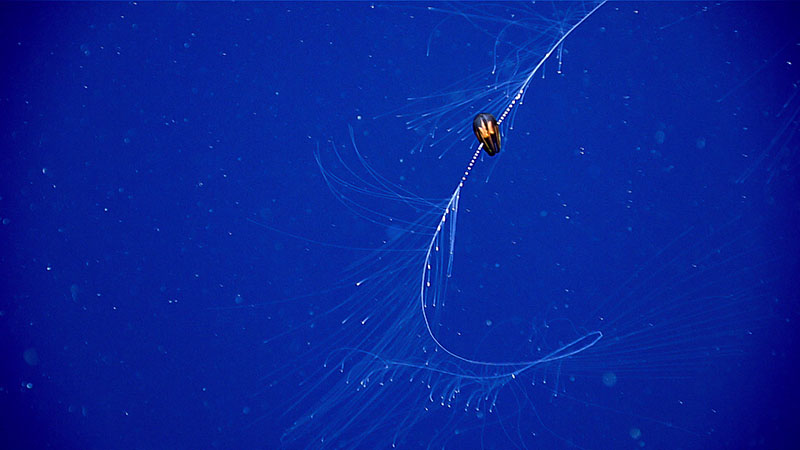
(635, 433)
(700, 143)
(238, 299)
(75, 408)
(30, 356)
(660, 136)
(609, 379)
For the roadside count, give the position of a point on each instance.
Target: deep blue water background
(144, 146)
